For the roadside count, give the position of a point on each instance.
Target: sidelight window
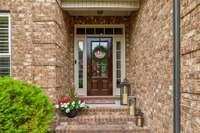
(80, 62)
(118, 63)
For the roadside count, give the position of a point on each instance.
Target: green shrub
(24, 108)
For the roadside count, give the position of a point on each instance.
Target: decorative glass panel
(118, 31)
(118, 62)
(100, 59)
(104, 31)
(80, 59)
(90, 31)
(108, 30)
(99, 30)
(80, 30)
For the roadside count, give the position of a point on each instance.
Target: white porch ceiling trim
(100, 5)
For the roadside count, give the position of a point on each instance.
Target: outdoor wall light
(132, 105)
(139, 118)
(124, 92)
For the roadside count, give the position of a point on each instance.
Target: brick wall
(40, 41)
(42, 53)
(152, 64)
(190, 75)
(43, 42)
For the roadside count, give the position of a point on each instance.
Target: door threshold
(102, 97)
(113, 106)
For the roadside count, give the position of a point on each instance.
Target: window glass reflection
(100, 59)
(80, 57)
(118, 62)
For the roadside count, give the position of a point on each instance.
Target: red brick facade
(42, 38)
(152, 64)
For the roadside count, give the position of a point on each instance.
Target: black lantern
(139, 118)
(132, 105)
(124, 92)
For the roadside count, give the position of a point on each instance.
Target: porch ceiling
(100, 7)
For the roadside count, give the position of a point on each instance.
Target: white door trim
(116, 90)
(121, 38)
(83, 90)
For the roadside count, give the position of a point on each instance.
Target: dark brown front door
(99, 66)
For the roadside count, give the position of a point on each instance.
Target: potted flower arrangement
(71, 105)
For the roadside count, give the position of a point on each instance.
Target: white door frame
(83, 38)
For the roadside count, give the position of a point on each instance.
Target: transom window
(97, 31)
(4, 44)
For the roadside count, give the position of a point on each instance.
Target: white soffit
(100, 7)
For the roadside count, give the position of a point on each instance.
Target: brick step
(86, 128)
(98, 119)
(106, 110)
(101, 111)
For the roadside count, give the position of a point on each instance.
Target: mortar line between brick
(59, 4)
(186, 113)
(182, 17)
(189, 52)
(189, 107)
(189, 99)
(38, 65)
(50, 20)
(48, 44)
(193, 93)
(47, 65)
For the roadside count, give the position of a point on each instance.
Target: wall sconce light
(124, 92)
(132, 105)
(139, 118)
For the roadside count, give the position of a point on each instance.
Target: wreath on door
(100, 53)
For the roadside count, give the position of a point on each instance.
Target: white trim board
(108, 8)
(121, 38)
